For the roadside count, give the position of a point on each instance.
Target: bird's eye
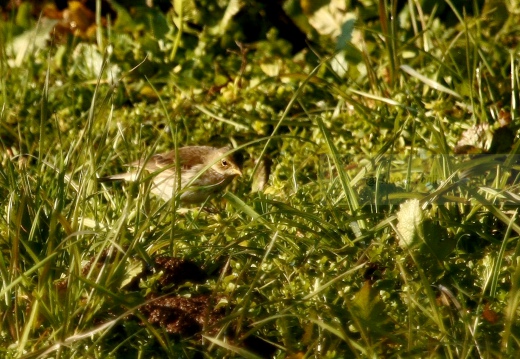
(224, 163)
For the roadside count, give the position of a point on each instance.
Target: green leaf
(368, 309)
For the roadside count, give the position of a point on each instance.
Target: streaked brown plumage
(192, 159)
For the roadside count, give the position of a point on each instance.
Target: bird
(204, 171)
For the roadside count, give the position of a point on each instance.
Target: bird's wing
(189, 157)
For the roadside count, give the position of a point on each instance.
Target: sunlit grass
(325, 260)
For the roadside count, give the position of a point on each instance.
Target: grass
(375, 235)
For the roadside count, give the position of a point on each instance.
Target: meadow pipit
(192, 160)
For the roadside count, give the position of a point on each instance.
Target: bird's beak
(237, 172)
